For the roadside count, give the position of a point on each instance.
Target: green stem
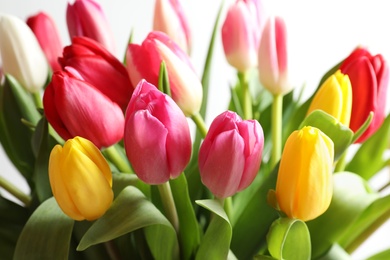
(340, 165)
(200, 124)
(228, 206)
(276, 125)
(246, 95)
(13, 190)
(37, 99)
(169, 204)
(113, 155)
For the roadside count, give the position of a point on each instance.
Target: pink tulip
(86, 18)
(45, 29)
(75, 108)
(169, 17)
(272, 62)
(157, 136)
(369, 77)
(143, 62)
(241, 34)
(230, 155)
(100, 68)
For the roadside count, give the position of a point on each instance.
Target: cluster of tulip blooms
(114, 172)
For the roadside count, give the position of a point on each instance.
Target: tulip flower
(75, 108)
(143, 62)
(21, 54)
(369, 77)
(157, 136)
(86, 18)
(334, 97)
(272, 57)
(169, 17)
(241, 34)
(230, 155)
(100, 68)
(80, 179)
(48, 37)
(304, 184)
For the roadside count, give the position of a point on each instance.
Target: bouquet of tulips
(115, 171)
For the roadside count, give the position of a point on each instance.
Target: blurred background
(320, 34)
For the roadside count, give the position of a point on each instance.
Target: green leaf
(163, 79)
(46, 234)
(216, 241)
(339, 133)
(380, 256)
(336, 252)
(122, 180)
(131, 211)
(289, 239)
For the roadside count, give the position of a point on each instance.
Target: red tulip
(369, 77)
(48, 37)
(157, 136)
(230, 155)
(75, 108)
(100, 68)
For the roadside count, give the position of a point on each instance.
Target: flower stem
(37, 99)
(276, 125)
(200, 124)
(113, 155)
(228, 206)
(169, 204)
(340, 166)
(246, 95)
(13, 190)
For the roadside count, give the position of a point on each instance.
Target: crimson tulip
(157, 136)
(143, 62)
(230, 155)
(369, 77)
(45, 29)
(75, 108)
(100, 68)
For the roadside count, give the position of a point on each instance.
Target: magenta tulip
(157, 136)
(230, 155)
(143, 62)
(369, 77)
(75, 108)
(45, 29)
(100, 68)
(86, 18)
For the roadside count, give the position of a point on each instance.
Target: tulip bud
(100, 68)
(21, 54)
(86, 18)
(369, 77)
(230, 155)
(164, 154)
(272, 57)
(304, 184)
(80, 179)
(334, 97)
(75, 108)
(169, 17)
(143, 62)
(48, 37)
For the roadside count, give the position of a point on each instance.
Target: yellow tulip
(304, 185)
(334, 97)
(80, 179)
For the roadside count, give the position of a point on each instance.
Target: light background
(320, 34)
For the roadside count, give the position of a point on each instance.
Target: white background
(320, 34)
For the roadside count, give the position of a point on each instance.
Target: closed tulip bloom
(80, 179)
(272, 57)
(100, 68)
(143, 62)
(21, 54)
(369, 77)
(157, 136)
(48, 37)
(75, 108)
(230, 155)
(334, 97)
(304, 185)
(170, 18)
(87, 18)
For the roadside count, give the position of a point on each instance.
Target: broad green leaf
(122, 180)
(216, 241)
(335, 252)
(46, 234)
(131, 211)
(339, 133)
(289, 239)
(163, 79)
(380, 256)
